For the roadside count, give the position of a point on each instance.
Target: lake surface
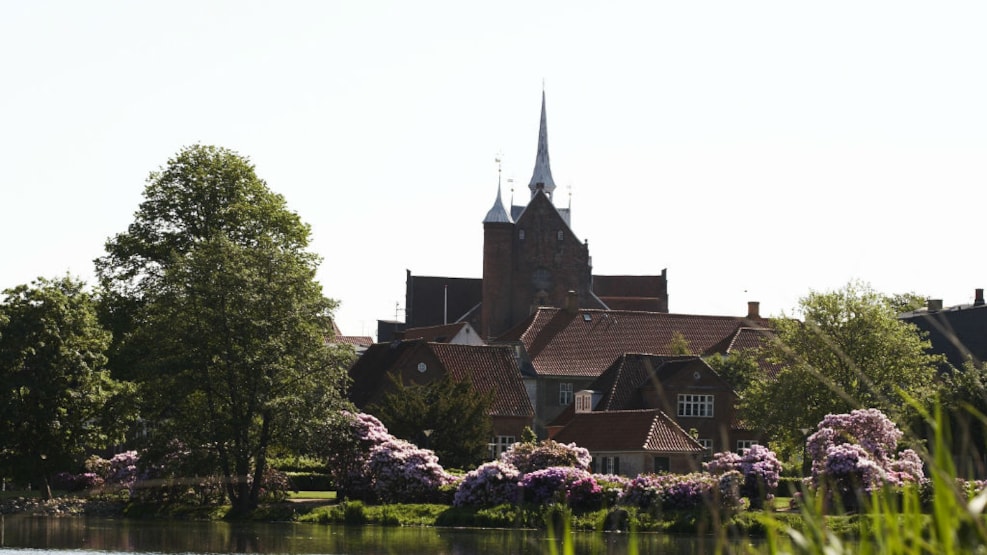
(23, 535)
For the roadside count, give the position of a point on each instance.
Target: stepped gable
(585, 342)
(491, 369)
(628, 430)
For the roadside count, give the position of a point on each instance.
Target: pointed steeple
(542, 176)
(497, 213)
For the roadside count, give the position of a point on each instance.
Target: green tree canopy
(220, 316)
(849, 352)
(58, 402)
(457, 416)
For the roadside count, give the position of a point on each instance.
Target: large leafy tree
(849, 351)
(57, 401)
(455, 416)
(214, 296)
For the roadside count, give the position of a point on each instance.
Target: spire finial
(541, 178)
(497, 214)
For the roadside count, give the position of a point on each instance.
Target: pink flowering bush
(122, 470)
(491, 484)
(403, 473)
(762, 471)
(683, 491)
(529, 457)
(722, 462)
(856, 453)
(562, 484)
(371, 464)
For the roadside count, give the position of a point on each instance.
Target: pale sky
(757, 150)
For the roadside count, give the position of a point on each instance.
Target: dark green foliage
(738, 369)
(850, 352)
(213, 297)
(457, 415)
(57, 401)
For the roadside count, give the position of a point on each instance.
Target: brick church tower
(531, 257)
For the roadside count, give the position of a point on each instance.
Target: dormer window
(584, 401)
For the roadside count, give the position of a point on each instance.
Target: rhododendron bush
(856, 453)
(491, 484)
(529, 457)
(684, 491)
(561, 484)
(374, 465)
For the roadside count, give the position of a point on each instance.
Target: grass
(322, 495)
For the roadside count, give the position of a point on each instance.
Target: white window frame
(609, 465)
(499, 444)
(695, 405)
(565, 393)
(744, 444)
(707, 445)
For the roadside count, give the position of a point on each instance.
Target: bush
(562, 485)
(491, 484)
(309, 481)
(529, 457)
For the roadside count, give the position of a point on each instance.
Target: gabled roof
(583, 343)
(628, 430)
(434, 301)
(620, 385)
(491, 369)
(434, 334)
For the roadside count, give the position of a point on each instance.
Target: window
(609, 465)
(584, 402)
(560, 235)
(695, 405)
(661, 465)
(498, 445)
(744, 444)
(520, 234)
(565, 394)
(707, 445)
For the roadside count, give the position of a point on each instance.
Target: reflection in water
(113, 535)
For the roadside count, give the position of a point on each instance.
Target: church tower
(498, 253)
(531, 257)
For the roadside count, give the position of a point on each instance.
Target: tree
(850, 352)
(739, 369)
(58, 402)
(457, 416)
(212, 287)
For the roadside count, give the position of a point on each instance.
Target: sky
(756, 150)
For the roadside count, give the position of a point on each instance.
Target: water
(24, 535)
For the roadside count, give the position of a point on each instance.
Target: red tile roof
(628, 430)
(585, 342)
(490, 369)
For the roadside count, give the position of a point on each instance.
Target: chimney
(571, 302)
(934, 304)
(754, 310)
(978, 299)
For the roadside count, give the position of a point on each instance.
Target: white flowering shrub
(491, 484)
(529, 457)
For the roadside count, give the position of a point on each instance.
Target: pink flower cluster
(560, 484)
(857, 451)
(491, 484)
(529, 457)
(683, 491)
(386, 468)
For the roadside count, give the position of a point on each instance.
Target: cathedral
(531, 258)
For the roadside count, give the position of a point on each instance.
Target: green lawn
(311, 495)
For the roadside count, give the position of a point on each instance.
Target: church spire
(497, 213)
(542, 176)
